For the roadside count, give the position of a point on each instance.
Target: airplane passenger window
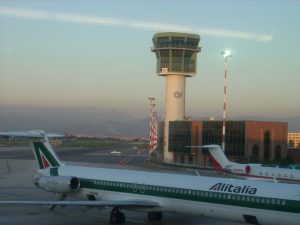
(278, 202)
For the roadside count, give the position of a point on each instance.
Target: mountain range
(92, 121)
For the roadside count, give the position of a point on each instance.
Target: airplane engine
(58, 184)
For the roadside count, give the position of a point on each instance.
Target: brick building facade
(246, 141)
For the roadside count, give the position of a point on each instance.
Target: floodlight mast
(226, 54)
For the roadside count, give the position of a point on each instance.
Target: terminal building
(294, 139)
(294, 146)
(245, 141)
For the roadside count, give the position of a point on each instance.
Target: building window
(255, 153)
(277, 152)
(267, 145)
(235, 136)
(180, 136)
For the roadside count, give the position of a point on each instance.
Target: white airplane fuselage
(235, 200)
(257, 171)
(253, 171)
(246, 201)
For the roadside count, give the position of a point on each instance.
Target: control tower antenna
(176, 55)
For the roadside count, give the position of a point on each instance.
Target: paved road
(92, 155)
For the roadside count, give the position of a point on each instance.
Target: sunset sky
(97, 54)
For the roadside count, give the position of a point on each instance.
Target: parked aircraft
(252, 202)
(253, 171)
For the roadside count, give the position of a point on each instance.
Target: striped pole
(153, 127)
(226, 54)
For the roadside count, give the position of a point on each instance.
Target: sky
(97, 54)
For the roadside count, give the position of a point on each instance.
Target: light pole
(226, 54)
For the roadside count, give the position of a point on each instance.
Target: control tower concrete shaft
(176, 55)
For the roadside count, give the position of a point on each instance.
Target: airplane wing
(123, 204)
(29, 134)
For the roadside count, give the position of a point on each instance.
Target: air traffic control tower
(176, 55)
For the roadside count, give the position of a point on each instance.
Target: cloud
(105, 21)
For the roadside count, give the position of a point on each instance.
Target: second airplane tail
(219, 159)
(43, 152)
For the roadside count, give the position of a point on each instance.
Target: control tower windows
(177, 42)
(189, 63)
(177, 60)
(192, 43)
(162, 42)
(164, 59)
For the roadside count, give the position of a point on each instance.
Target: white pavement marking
(197, 172)
(108, 154)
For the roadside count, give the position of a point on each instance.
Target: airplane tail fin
(43, 152)
(219, 159)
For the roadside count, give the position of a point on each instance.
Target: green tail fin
(45, 155)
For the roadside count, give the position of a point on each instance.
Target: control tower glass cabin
(176, 53)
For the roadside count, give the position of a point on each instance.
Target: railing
(177, 46)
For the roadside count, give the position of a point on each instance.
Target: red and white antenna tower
(226, 55)
(153, 126)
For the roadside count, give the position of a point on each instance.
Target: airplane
(244, 201)
(251, 171)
